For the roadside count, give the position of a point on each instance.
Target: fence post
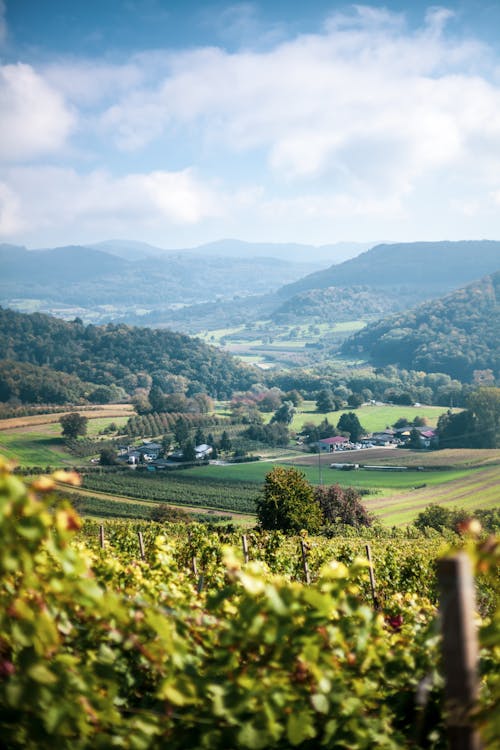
(245, 547)
(194, 566)
(305, 566)
(101, 536)
(372, 576)
(459, 650)
(141, 545)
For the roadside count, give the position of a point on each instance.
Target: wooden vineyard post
(201, 578)
(372, 576)
(101, 536)
(305, 566)
(245, 547)
(141, 545)
(459, 650)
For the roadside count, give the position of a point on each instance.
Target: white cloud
(367, 100)
(34, 119)
(47, 198)
(365, 119)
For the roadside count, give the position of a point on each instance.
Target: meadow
(373, 417)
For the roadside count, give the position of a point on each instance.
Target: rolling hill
(457, 334)
(90, 277)
(426, 268)
(37, 348)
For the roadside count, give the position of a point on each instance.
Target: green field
(372, 418)
(34, 448)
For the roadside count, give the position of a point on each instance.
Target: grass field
(34, 449)
(372, 418)
(36, 440)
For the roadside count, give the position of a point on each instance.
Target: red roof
(334, 440)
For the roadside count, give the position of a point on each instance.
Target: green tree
(350, 423)
(225, 442)
(188, 451)
(73, 424)
(284, 414)
(287, 502)
(181, 431)
(485, 405)
(325, 401)
(108, 456)
(355, 400)
(458, 430)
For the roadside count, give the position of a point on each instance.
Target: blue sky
(179, 123)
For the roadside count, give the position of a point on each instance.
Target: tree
(349, 422)
(225, 442)
(163, 513)
(295, 397)
(485, 405)
(355, 400)
(285, 413)
(108, 456)
(325, 401)
(458, 430)
(181, 431)
(73, 424)
(415, 442)
(188, 451)
(342, 506)
(287, 502)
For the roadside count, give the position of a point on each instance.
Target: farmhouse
(203, 451)
(328, 445)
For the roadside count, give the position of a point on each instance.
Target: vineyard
(181, 489)
(193, 647)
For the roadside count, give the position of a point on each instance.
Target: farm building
(328, 445)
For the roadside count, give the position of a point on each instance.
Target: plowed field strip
(471, 492)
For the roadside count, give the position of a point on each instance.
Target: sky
(180, 123)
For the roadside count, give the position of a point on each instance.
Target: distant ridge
(234, 248)
(437, 267)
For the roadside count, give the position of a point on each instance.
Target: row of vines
(101, 649)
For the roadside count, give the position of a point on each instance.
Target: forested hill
(457, 334)
(435, 267)
(110, 355)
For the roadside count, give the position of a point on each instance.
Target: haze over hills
(90, 277)
(457, 334)
(233, 248)
(381, 281)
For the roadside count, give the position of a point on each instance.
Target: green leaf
(299, 728)
(40, 673)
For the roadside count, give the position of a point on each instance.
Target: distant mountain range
(89, 277)
(430, 267)
(231, 248)
(457, 334)
(384, 280)
(230, 282)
